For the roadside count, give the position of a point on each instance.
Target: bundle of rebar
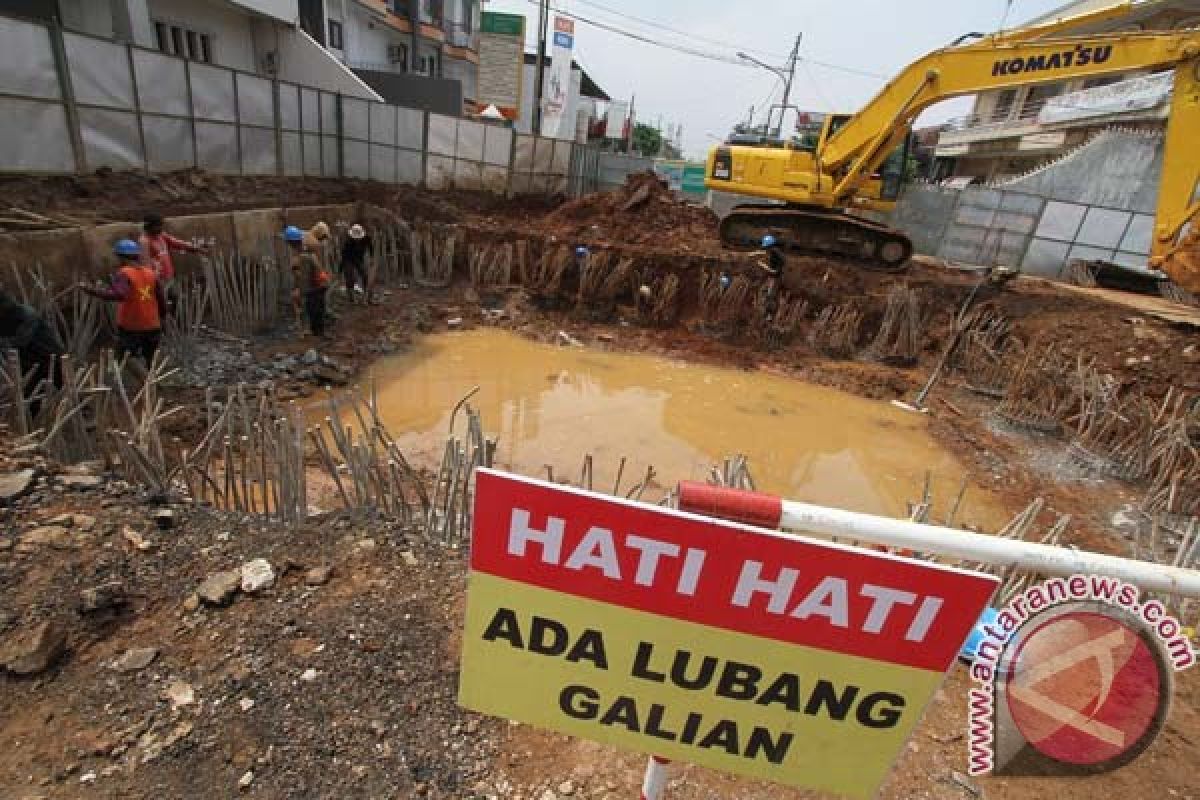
(733, 303)
(542, 277)
(250, 459)
(835, 331)
(777, 317)
(733, 472)
(448, 518)
(364, 461)
(244, 293)
(1170, 290)
(900, 334)
(182, 328)
(1081, 273)
(988, 354)
(602, 279)
(135, 426)
(490, 266)
(657, 298)
(1111, 434)
(431, 251)
(1038, 395)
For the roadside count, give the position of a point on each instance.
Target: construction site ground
(343, 684)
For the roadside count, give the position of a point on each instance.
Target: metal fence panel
(1139, 235)
(408, 167)
(289, 107)
(310, 110)
(468, 175)
(470, 141)
(383, 123)
(1103, 228)
(99, 72)
(293, 153)
(312, 154)
(495, 179)
(329, 156)
(443, 135)
(1045, 258)
(256, 101)
(329, 120)
(523, 156)
(383, 163)
(497, 145)
(213, 94)
(35, 136)
(1061, 221)
(410, 128)
(110, 139)
(356, 119)
(258, 151)
(168, 143)
(27, 60)
(161, 83)
(357, 157)
(439, 172)
(217, 147)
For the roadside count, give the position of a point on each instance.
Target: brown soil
(380, 720)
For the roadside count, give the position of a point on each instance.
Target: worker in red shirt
(157, 245)
(142, 303)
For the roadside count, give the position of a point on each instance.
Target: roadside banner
(557, 90)
(744, 650)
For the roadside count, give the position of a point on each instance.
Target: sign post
(699, 640)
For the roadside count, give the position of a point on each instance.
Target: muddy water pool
(550, 406)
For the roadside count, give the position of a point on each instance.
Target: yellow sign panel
(686, 691)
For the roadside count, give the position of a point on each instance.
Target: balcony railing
(1136, 96)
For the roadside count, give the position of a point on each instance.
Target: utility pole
(787, 84)
(539, 77)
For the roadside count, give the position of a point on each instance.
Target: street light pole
(540, 66)
(786, 74)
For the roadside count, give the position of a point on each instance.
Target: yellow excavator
(840, 169)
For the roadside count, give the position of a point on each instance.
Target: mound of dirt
(643, 211)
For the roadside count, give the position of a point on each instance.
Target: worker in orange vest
(141, 303)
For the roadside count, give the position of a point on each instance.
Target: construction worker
(773, 265)
(36, 342)
(141, 302)
(310, 280)
(355, 251)
(157, 245)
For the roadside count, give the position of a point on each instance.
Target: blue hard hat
(127, 247)
(725, 280)
(293, 234)
(988, 617)
(581, 251)
(769, 241)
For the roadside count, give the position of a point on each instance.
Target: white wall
(283, 10)
(302, 60)
(231, 30)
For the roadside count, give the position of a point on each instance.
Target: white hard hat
(357, 232)
(645, 291)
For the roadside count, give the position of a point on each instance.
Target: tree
(646, 140)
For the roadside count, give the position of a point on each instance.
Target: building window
(398, 56)
(335, 35)
(401, 8)
(1037, 97)
(468, 9)
(175, 40)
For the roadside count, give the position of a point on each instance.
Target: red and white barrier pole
(769, 511)
(654, 784)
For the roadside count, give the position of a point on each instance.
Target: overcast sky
(707, 97)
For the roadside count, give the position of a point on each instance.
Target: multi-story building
(257, 36)
(390, 43)
(1012, 131)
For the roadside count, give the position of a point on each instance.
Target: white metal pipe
(654, 783)
(769, 511)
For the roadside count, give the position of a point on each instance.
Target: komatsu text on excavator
(843, 166)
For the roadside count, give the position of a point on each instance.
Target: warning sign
(698, 640)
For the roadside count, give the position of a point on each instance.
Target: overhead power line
(721, 58)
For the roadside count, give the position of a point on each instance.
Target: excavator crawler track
(821, 232)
